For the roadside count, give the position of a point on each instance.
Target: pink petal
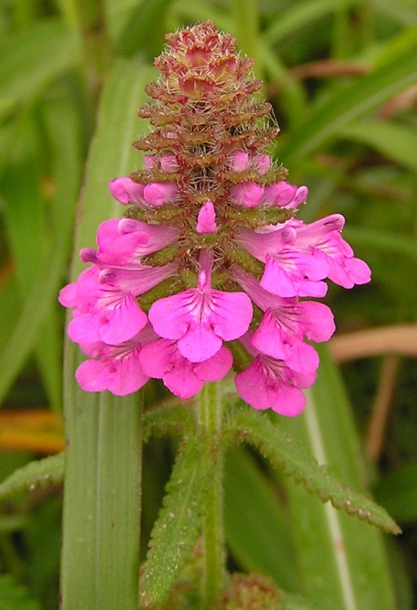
(302, 359)
(159, 193)
(68, 295)
(268, 338)
(262, 163)
(206, 222)
(201, 320)
(216, 367)
(162, 360)
(92, 376)
(262, 390)
(169, 163)
(239, 160)
(126, 191)
(122, 322)
(318, 321)
(127, 375)
(280, 194)
(249, 194)
(84, 328)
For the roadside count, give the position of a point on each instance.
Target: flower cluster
(209, 269)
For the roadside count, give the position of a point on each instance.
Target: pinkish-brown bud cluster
(209, 145)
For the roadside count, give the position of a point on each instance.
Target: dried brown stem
(399, 339)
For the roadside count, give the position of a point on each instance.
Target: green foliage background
(342, 77)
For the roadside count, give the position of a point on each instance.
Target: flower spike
(209, 253)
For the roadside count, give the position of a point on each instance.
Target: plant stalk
(209, 408)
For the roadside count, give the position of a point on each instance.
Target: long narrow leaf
(393, 140)
(343, 562)
(102, 468)
(40, 272)
(179, 523)
(363, 95)
(256, 524)
(42, 52)
(34, 475)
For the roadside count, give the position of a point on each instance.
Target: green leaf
(296, 17)
(179, 523)
(343, 562)
(169, 419)
(31, 59)
(101, 522)
(396, 142)
(34, 475)
(144, 24)
(256, 524)
(286, 453)
(40, 239)
(296, 602)
(365, 94)
(13, 596)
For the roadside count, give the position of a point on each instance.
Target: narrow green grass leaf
(101, 521)
(34, 475)
(179, 522)
(99, 565)
(40, 240)
(256, 524)
(343, 562)
(285, 453)
(296, 17)
(144, 25)
(41, 53)
(365, 94)
(396, 142)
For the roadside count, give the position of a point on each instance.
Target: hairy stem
(210, 419)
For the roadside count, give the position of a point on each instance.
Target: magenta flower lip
(209, 270)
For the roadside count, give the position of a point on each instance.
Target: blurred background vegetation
(342, 78)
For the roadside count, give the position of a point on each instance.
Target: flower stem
(209, 408)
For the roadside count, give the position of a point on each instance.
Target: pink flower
(169, 164)
(123, 240)
(201, 318)
(104, 296)
(112, 316)
(288, 271)
(261, 163)
(126, 191)
(163, 360)
(285, 195)
(323, 239)
(211, 232)
(116, 368)
(206, 222)
(298, 257)
(239, 160)
(159, 193)
(270, 384)
(285, 324)
(249, 194)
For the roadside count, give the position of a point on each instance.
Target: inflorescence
(209, 269)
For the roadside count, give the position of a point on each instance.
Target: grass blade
(102, 468)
